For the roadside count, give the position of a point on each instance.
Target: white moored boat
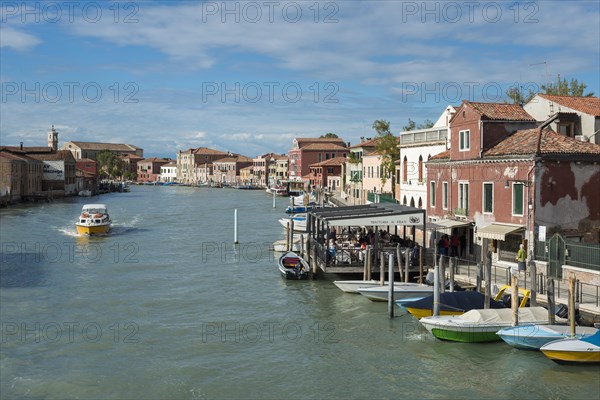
(401, 290)
(353, 286)
(299, 222)
(574, 351)
(94, 220)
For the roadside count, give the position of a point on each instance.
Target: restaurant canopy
(377, 214)
(497, 231)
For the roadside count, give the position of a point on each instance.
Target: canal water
(165, 307)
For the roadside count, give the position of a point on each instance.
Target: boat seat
(290, 261)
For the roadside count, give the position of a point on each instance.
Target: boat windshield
(94, 210)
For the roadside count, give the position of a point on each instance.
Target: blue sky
(248, 77)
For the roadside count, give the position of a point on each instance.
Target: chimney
(348, 144)
(21, 145)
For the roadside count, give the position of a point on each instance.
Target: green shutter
(518, 199)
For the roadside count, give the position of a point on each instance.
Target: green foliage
(353, 159)
(109, 164)
(387, 147)
(382, 127)
(412, 125)
(517, 96)
(329, 135)
(565, 88)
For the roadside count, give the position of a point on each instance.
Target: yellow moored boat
(94, 220)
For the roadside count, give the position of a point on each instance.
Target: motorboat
(299, 222)
(574, 351)
(282, 246)
(93, 220)
(351, 286)
(451, 303)
(481, 325)
(401, 290)
(533, 337)
(292, 266)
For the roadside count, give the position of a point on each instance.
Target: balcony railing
(423, 136)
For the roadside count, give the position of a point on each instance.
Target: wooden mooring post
(391, 284)
(514, 300)
(550, 299)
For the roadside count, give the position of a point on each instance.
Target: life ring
(97, 215)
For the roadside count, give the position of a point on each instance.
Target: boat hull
(92, 229)
(401, 290)
(419, 313)
(585, 351)
(533, 337)
(467, 336)
(568, 357)
(353, 286)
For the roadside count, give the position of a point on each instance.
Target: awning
(452, 223)
(379, 214)
(497, 231)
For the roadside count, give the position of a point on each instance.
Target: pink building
(149, 169)
(307, 151)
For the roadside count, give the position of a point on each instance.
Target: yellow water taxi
(94, 220)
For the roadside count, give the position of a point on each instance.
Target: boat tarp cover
(504, 315)
(594, 339)
(454, 301)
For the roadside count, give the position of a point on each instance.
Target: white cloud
(16, 40)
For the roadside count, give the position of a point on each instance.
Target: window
(420, 169)
(463, 197)
(432, 193)
(405, 170)
(488, 197)
(464, 138)
(445, 195)
(517, 199)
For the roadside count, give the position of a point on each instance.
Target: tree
(329, 135)
(564, 88)
(109, 163)
(518, 96)
(426, 124)
(410, 126)
(387, 147)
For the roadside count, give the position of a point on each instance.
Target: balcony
(424, 136)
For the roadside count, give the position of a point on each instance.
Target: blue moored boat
(533, 337)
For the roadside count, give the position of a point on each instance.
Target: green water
(166, 307)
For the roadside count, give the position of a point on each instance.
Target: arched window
(412, 202)
(420, 169)
(405, 170)
(420, 203)
(404, 201)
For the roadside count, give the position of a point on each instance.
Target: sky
(250, 76)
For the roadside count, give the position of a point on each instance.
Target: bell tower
(53, 139)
